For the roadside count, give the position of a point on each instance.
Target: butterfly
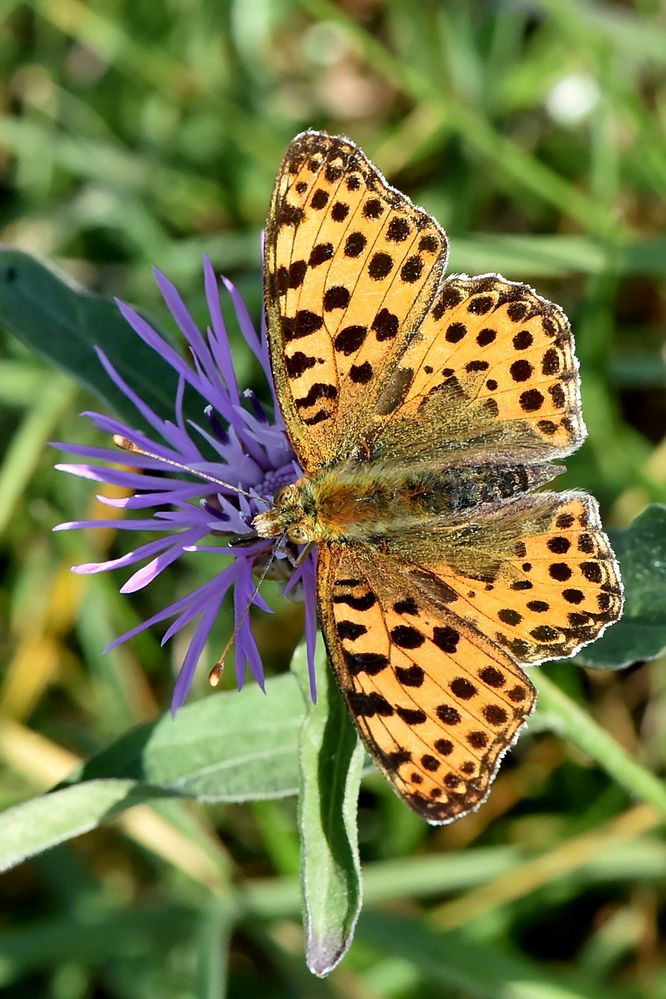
(424, 412)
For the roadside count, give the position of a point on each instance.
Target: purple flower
(238, 459)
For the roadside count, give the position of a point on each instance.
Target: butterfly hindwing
(435, 703)
(351, 267)
(537, 576)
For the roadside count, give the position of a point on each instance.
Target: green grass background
(146, 132)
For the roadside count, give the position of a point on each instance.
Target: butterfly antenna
(127, 445)
(216, 672)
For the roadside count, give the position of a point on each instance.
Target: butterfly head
(287, 516)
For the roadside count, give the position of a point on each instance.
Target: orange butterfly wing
(437, 705)
(493, 366)
(538, 577)
(351, 267)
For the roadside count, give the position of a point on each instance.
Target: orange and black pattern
(425, 413)
(351, 268)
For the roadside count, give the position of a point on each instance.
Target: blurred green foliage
(134, 133)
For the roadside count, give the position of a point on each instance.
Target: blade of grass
(544, 869)
(476, 131)
(27, 446)
(566, 718)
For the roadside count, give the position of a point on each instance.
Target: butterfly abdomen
(473, 486)
(366, 503)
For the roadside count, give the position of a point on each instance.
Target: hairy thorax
(370, 501)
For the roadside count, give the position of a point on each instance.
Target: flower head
(237, 458)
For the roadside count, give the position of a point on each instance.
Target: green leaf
(234, 746)
(331, 762)
(63, 322)
(641, 631)
(36, 825)
(469, 966)
(227, 747)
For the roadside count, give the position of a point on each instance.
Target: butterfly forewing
(351, 269)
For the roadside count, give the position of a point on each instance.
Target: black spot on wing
(368, 705)
(350, 630)
(371, 663)
(412, 716)
(410, 676)
(412, 269)
(380, 266)
(406, 636)
(385, 325)
(298, 363)
(320, 390)
(320, 254)
(301, 325)
(350, 339)
(361, 374)
(355, 244)
(336, 297)
(398, 230)
(361, 602)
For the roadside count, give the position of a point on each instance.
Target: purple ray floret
(236, 442)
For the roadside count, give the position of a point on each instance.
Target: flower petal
(184, 678)
(147, 573)
(241, 458)
(217, 336)
(136, 555)
(310, 600)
